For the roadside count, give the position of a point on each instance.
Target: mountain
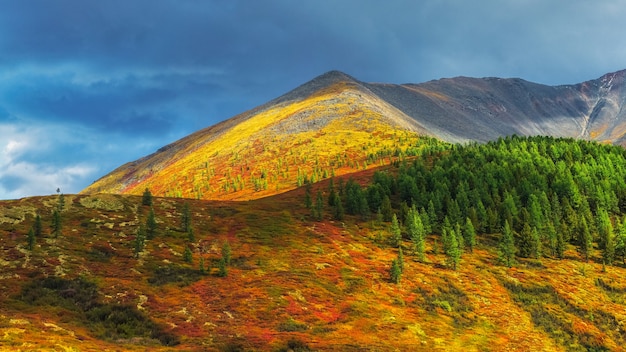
(335, 125)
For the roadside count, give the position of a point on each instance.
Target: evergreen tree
(319, 206)
(140, 238)
(201, 266)
(385, 209)
(331, 193)
(400, 259)
(37, 227)
(470, 234)
(620, 242)
(31, 239)
(453, 251)
(526, 243)
(605, 228)
(585, 244)
(608, 253)
(226, 252)
(185, 219)
(188, 255)
(415, 230)
(536, 243)
(191, 237)
(339, 213)
(396, 233)
(56, 223)
(222, 269)
(151, 225)
(395, 273)
(146, 199)
(560, 245)
(506, 246)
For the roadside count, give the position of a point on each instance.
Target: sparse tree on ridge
(146, 198)
(31, 239)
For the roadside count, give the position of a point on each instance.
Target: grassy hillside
(335, 130)
(293, 281)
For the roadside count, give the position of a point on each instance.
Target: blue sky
(87, 85)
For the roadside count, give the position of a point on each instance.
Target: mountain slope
(322, 128)
(336, 124)
(279, 274)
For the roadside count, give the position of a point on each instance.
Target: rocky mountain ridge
(330, 107)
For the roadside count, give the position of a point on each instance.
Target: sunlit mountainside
(335, 125)
(343, 216)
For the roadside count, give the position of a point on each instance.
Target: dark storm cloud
(86, 85)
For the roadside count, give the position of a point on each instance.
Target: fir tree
(185, 219)
(620, 241)
(151, 225)
(585, 244)
(140, 238)
(470, 234)
(188, 255)
(146, 199)
(201, 266)
(31, 239)
(339, 213)
(506, 246)
(415, 230)
(56, 223)
(453, 251)
(608, 253)
(395, 273)
(226, 252)
(222, 269)
(385, 209)
(400, 259)
(37, 227)
(396, 234)
(319, 206)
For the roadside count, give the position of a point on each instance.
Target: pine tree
(140, 239)
(201, 266)
(319, 206)
(185, 219)
(395, 273)
(400, 259)
(188, 255)
(56, 223)
(37, 227)
(470, 234)
(222, 269)
(385, 209)
(525, 243)
(339, 213)
(151, 225)
(226, 252)
(585, 244)
(608, 253)
(191, 237)
(620, 241)
(31, 239)
(146, 198)
(506, 246)
(536, 243)
(331, 193)
(415, 230)
(560, 245)
(396, 234)
(453, 251)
